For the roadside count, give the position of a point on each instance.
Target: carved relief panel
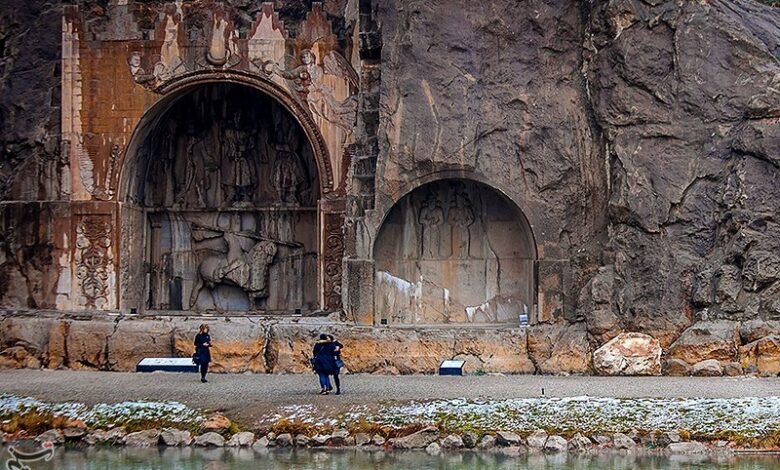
(454, 252)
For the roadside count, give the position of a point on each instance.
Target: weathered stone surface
(175, 437)
(433, 448)
(241, 439)
(216, 422)
(240, 347)
(555, 444)
(418, 440)
(629, 354)
(763, 355)
(72, 433)
(753, 330)
(362, 439)
(677, 367)
(686, 448)
(132, 341)
(284, 440)
(487, 442)
(114, 436)
(622, 442)
(508, 438)
(320, 440)
(302, 440)
(537, 439)
(54, 436)
(708, 368)
(732, 369)
(209, 439)
(579, 444)
(559, 349)
(339, 437)
(378, 440)
(147, 438)
(707, 340)
(470, 439)
(452, 441)
(261, 443)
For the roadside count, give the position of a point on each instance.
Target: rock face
(717, 340)
(629, 354)
(618, 175)
(148, 438)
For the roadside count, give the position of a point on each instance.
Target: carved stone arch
(404, 188)
(179, 86)
(453, 249)
(140, 219)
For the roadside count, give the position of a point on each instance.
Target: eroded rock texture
(687, 97)
(613, 167)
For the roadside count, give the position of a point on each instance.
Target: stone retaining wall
(283, 345)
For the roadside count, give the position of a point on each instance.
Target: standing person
(202, 353)
(324, 362)
(337, 347)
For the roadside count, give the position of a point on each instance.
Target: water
(231, 459)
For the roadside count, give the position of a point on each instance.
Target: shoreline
(142, 424)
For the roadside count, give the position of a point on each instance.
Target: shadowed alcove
(454, 251)
(225, 186)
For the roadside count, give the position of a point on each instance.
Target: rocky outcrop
(557, 349)
(629, 354)
(762, 356)
(707, 340)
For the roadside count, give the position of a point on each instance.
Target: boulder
(433, 448)
(579, 444)
(301, 440)
(340, 437)
(147, 438)
(73, 433)
(763, 355)
(216, 422)
(284, 440)
(453, 441)
(707, 340)
(320, 440)
(537, 439)
(175, 437)
(261, 443)
(732, 369)
(753, 330)
(686, 448)
(629, 354)
(209, 439)
(116, 435)
(378, 440)
(559, 348)
(555, 444)
(362, 439)
(470, 439)
(508, 439)
(677, 367)
(52, 435)
(419, 440)
(241, 439)
(487, 442)
(622, 442)
(708, 368)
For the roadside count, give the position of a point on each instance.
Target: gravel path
(250, 396)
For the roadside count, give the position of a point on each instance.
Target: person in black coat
(324, 362)
(202, 355)
(337, 347)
